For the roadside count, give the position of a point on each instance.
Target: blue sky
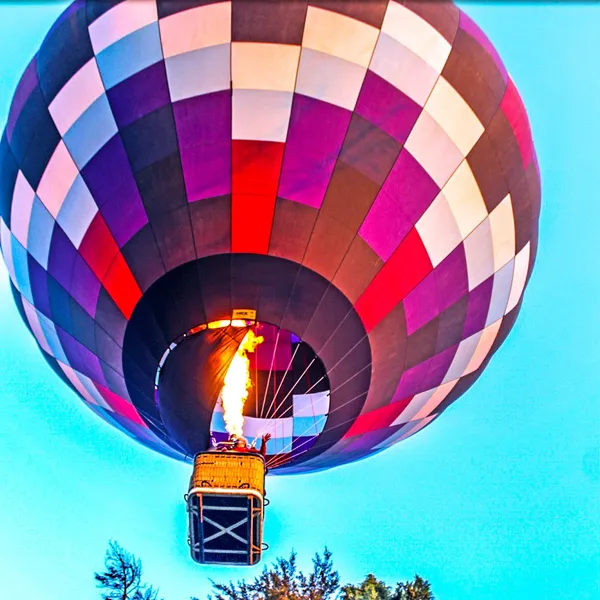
(498, 499)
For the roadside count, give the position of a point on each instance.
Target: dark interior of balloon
(288, 397)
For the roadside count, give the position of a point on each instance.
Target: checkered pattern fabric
(381, 145)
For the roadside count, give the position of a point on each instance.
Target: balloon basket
(225, 506)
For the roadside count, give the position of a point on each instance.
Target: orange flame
(218, 324)
(237, 385)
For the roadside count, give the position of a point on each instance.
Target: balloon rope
(331, 392)
(256, 381)
(268, 428)
(278, 459)
(269, 377)
(337, 364)
(282, 380)
(335, 427)
(293, 388)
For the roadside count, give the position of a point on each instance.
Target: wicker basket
(226, 508)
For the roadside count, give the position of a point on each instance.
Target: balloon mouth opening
(285, 386)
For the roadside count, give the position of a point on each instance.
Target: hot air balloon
(353, 181)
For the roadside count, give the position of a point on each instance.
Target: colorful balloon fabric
(360, 174)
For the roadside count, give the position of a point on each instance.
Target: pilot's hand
(266, 437)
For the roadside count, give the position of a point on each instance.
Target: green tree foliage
(122, 579)
(417, 589)
(283, 581)
(374, 589)
(370, 589)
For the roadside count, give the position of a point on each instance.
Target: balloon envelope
(359, 174)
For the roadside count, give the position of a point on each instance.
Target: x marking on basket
(225, 530)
